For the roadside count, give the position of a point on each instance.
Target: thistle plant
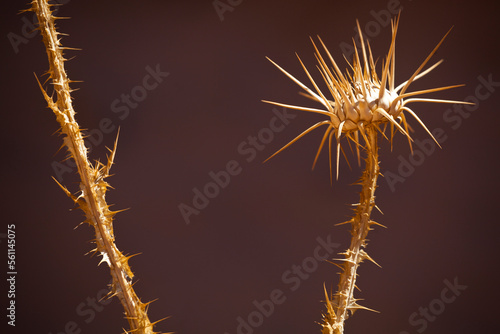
(362, 105)
(91, 196)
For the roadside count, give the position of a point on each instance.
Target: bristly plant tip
(360, 105)
(361, 98)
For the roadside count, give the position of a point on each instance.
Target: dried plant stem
(344, 301)
(92, 186)
(362, 103)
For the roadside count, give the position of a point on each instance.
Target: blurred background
(184, 80)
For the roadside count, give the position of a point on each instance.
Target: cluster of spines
(91, 199)
(378, 102)
(388, 107)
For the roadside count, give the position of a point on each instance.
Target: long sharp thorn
(345, 157)
(323, 100)
(378, 209)
(365, 58)
(385, 68)
(361, 128)
(405, 87)
(338, 159)
(112, 156)
(436, 101)
(389, 118)
(321, 145)
(298, 137)
(421, 123)
(393, 59)
(330, 155)
(339, 133)
(289, 106)
(425, 91)
(405, 123)
(356, 137)
(420, 75)
(337, 69)
(296, 81)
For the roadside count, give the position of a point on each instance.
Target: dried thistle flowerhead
(361, 98)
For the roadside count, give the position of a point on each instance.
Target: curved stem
(344, 301)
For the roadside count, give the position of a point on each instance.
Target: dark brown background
(442, 221)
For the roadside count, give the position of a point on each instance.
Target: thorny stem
(362, 100)
(92, 186)
(344, 301)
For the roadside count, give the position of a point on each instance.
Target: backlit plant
(359, 106)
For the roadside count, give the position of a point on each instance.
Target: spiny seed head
(363, 106)
(360, 98)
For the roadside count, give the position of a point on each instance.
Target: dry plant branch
(363, 104)
(92, 177)
(344, 301)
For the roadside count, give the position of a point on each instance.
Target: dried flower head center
(365, 108)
